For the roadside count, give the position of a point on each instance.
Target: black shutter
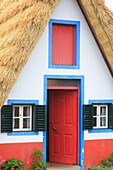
(6, 118)
(88, 117)
(110, 113)
(39, 122)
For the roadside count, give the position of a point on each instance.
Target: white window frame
(98, 116)
(21, 118)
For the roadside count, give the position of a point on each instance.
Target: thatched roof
(22, 22)
(100, 20)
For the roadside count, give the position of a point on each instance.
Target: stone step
(57, 166)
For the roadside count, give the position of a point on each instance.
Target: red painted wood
(96, 150)
(19, 151)
(63, 115)
(63, 43)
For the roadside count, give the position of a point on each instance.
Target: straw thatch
(22, 22)
(100, 20)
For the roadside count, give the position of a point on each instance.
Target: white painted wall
(109, 4)
(98, 81)
(95, 136)
(20, 139)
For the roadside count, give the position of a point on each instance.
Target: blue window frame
(76, 48)
(9, 102)
(100, 102)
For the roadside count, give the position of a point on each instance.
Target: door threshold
(59, 166)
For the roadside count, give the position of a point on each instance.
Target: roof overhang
(93, 11)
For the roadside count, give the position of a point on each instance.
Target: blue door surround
(80, 116)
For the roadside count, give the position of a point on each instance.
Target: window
(98, 116)
(23, 118)
(64, 44)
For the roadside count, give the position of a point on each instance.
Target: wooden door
(63, 126)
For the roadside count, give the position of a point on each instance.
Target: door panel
(63, 126)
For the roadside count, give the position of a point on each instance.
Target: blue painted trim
(9, 102)
(100, 102)
(44, 146)
(45, 133)
(77, 44)
(81, 132)
(100, 131)
(22, 133)
(45, 136)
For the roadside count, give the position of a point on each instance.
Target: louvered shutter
(6, 118)
(39, 122)
(88, 117)
(110, 113)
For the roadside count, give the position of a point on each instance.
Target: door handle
(54, 128)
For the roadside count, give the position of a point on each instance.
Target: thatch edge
(99, 43)
(3, 94)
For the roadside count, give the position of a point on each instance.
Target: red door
(63, 126)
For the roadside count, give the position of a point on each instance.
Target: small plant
(13, 164)
(110, 158)
(38, 163)
(105, 163)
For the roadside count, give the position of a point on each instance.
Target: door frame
(80, 115)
